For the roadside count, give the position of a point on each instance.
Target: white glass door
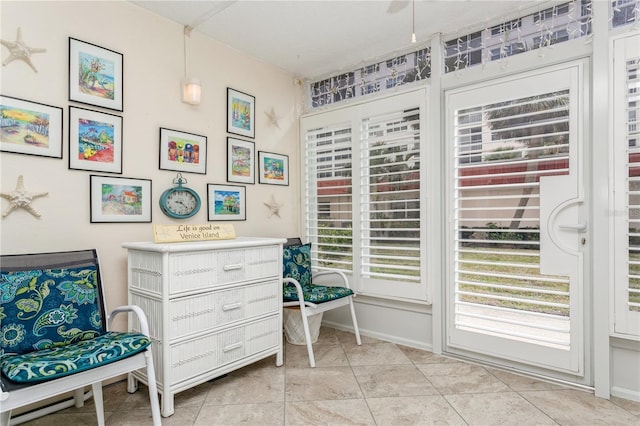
(517, 220)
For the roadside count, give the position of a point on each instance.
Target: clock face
(180, 203)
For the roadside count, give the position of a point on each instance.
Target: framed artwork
(95, 75)
(95, 141)
(119, 199)
(226, 202)
(30, 128)
(273, 168)
(182, 151)
(241, 113)
(240, 161)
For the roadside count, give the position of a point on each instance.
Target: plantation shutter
(363, 211)
(390, 200)
(328, 196)
(626, 100)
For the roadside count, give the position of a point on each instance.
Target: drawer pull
(232, 347)
(231, 307)
(232, 267)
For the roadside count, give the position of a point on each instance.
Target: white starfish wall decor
(20, 198)
(18, 50)
(273, 117)
(273, 206)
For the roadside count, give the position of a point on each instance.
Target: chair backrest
(296, 262)
(49, 300)
(293, 242)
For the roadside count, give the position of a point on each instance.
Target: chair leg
(356, 330)
(132, 383)
(307, 336)
(153, 389)
(5, 417)
(78, 397)
(97, 399)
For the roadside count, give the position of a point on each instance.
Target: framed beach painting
(119, 199)
(95, 75)
(240, 161)
(273, 168)
(30, 127)
(241, 113)
(182, 151)
(226, 202)
(95, 141)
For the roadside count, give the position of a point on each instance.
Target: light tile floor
(378, 383)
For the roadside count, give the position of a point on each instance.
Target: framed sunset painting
(95, 75)
(31, 128)
(95, 141)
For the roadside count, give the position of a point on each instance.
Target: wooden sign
(191, 232)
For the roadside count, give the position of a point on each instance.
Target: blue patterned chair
(300, 292)
(55, 338)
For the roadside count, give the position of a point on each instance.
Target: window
(624, 12)
(507, 26)
(463, 52)
(551, 13)
(363, 207)
(541, 29)
(333, 89)
(371, 78)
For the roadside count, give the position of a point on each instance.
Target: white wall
(153, 67)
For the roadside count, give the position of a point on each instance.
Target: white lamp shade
(191, 91)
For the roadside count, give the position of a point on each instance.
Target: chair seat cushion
(315, 293)
(61, 361)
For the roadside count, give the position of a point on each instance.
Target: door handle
(578, 227)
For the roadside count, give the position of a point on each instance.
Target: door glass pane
(633, 190)
(502, 150)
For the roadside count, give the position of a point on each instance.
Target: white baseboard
(380, 336)
(623, 393)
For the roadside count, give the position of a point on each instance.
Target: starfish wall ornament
(274, 207)
(273, 117)
(20, 198)
(18, 50)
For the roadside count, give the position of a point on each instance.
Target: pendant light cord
(187, 33)
(413, 21)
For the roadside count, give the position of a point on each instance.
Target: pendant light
(191, 89)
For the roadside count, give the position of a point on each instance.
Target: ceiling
(310, 38)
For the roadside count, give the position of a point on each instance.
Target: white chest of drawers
(212, 307)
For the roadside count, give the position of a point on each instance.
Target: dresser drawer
(192, 358)
(248, 264)
(193, 314)
(192, 271)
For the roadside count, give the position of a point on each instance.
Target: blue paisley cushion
(56, 362)
(44, 308)
(296, 263)
(315, 293)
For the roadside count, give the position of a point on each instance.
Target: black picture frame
(241, 113)
(95, 75)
